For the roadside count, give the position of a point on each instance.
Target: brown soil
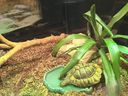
(33, 62)
(34, 57)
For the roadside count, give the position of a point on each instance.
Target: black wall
(71, 11)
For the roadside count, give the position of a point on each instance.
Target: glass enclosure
(60, 15)
(63, 47)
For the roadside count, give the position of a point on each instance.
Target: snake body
(83, 75)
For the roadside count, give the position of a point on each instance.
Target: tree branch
(18, 46)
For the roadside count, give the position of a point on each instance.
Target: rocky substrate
(18, 12)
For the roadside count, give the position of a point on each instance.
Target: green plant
(104, 43)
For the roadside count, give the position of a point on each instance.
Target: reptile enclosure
(26, 61)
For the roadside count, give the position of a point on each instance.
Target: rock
(22, 16)
(7, 22)
(27, 14)
(1, 16)
(13, 12)
(30, 20)
(19, 12)
(7, 25)
(22, 7)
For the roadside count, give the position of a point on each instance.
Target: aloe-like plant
(104, 43)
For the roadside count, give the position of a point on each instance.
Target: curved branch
(26, 44)
(4, 46)
(8, 42)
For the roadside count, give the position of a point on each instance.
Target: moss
(124, 82)
(33, 88)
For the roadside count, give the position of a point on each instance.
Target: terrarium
(63, 48)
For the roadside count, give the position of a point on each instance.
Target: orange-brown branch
(22, 45)
(6, 41)
(4, 46)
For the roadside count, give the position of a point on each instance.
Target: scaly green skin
(83, 75)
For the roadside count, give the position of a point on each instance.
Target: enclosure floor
(22, 74)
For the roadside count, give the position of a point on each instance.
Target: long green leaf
(71, 49)
(100, 28)
(110, 80)
(118, 16)
(100, 21)
(93, 21)
(67, 40)
(123, 49)
(115, 56)
(124, 60)
(106, 64)
(88, 30)
(77, 56)
(120, 36)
